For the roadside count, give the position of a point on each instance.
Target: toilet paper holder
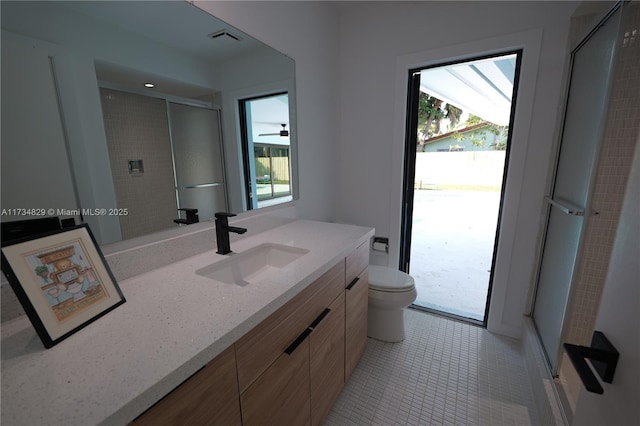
(380, 244)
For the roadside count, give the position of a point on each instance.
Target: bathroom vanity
(272, 346)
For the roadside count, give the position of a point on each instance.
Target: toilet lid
(382, 278)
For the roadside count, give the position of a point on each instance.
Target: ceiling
(483, 87)
(166, 26)
(176, 24)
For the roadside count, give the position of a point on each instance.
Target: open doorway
(456, 156)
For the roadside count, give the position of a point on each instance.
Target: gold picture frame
(62, 281)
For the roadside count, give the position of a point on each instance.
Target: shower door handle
(565, 206)
(203, 185)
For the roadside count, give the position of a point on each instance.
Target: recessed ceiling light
(149, 85)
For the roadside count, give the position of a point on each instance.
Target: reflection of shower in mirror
(98, 46)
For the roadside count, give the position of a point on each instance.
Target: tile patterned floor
(445, 373)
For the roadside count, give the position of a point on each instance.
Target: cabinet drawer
(261, 346)
(208, 397)
(280, 396)
(357, 260)
(357, 303)
(327, 361)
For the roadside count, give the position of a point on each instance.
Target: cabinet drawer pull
(317, 321)
(352, 283)
(292, 347)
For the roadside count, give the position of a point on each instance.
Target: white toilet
(390, 292)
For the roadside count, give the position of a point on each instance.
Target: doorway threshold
(438, 310)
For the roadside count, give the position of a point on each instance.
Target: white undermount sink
(253, 264)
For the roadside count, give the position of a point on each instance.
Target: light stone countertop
(172, 324)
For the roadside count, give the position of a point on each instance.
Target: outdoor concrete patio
(452, 248)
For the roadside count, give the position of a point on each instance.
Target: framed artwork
(62, 281)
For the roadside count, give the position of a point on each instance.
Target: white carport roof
(483, 87)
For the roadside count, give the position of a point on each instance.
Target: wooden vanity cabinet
(356, 262)
(300, 387)
(356, 306)
(280, 396)
(290, 368)
(327, 360)
(209, 397)
(280, 364)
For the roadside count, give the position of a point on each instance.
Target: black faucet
(192, 217)
(222, 231)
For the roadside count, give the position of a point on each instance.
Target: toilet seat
(389, 280)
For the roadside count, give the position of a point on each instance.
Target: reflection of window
(266, 148)
(273, 167)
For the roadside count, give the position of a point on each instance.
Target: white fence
(469, 170)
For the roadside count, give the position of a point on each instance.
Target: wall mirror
(83, 137)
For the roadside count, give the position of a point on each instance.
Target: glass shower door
(197, 153)
(568, 204)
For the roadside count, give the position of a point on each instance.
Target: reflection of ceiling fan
(284, 133)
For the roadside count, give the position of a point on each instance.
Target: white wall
(618, 320)
(350, 151)
(459, 169)
(374, 37)
(35, 167)
(349, 145)
(307, 32)
(86, 141)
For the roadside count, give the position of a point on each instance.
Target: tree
(478, 137)
(429, 111)
(473, 120)
(453, 113)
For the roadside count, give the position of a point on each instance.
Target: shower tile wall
(137, 129)
(620, 140)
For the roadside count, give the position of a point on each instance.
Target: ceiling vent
(224, 35)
